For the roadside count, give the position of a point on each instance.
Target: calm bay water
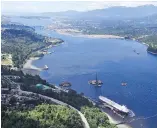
(78, 59)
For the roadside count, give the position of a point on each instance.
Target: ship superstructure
(121, 109)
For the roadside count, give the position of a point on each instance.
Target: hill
(117, 12)
(42, 116)
(21, 41)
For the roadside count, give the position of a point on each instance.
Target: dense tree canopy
(22, 41)
(43, 116)
(96, 118)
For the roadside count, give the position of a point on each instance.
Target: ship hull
(107, 103)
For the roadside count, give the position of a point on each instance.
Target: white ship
(121, 109)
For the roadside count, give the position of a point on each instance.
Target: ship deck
(114, 104)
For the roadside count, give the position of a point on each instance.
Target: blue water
(78, 59)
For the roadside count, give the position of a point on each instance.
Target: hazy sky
(37, 7)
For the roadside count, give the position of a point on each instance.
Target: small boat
(44, 50)
(123, 84)
(45, 67)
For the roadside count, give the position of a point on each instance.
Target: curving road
(84, 120)
(18, 89)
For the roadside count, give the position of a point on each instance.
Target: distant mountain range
(117, 12)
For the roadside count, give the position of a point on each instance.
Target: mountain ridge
(115, 12)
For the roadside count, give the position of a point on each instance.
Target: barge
(96, 82)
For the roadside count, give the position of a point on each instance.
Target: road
(84, 120)
(18, 89)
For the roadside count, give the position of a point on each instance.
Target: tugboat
(46, 67)
(96, 82)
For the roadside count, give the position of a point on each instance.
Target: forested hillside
(42, 116)
(21, 41)
(96, 118)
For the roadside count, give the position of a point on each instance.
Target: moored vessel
(46, 67)
(96, 82)
(115, 107)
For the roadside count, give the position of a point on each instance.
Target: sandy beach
(104, 36)
(29, 68)
(28, 64)
(115, 119)
(77, 33)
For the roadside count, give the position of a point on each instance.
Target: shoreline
(105, 36)
(79, 34)
(29, 65)
(29, 68)
(153, 53)
(114, 121)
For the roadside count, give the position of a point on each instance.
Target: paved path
(84, 120)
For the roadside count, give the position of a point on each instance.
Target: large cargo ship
(120, 109)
